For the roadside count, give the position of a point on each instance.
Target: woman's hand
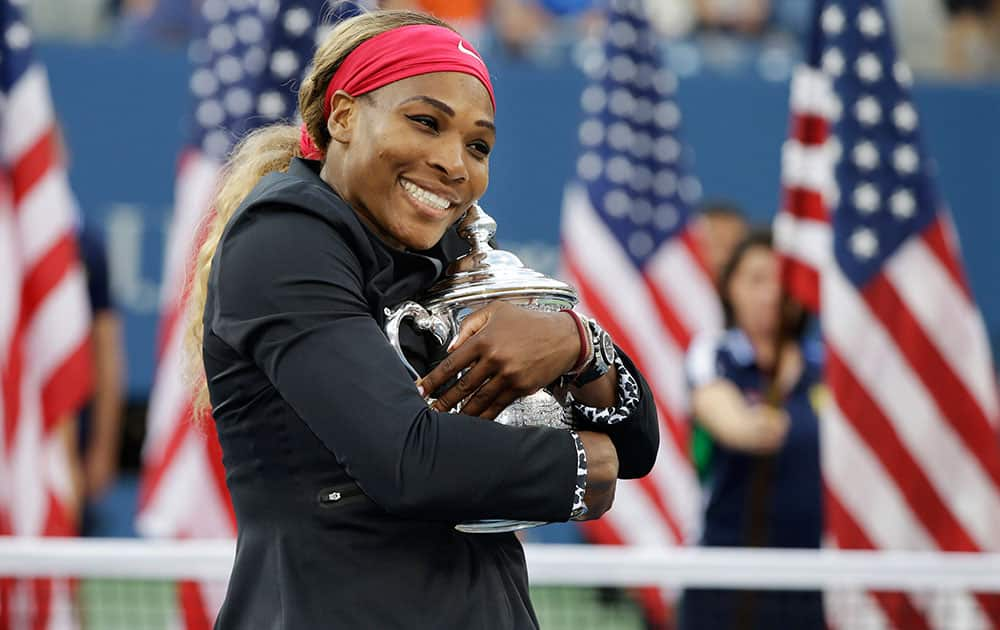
(790, 367)
(722, 409)
(602, 473)
(767, 431)
(510, 352)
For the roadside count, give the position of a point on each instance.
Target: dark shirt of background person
(756, 440)
(100, 421)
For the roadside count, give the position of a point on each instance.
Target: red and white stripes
(911, 454)
(801, 229)
(183, 493)
(652, 314)
(45, 373)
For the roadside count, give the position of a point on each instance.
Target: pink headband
(403, 52)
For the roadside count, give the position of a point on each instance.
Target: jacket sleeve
(288, 296)
(637, 436)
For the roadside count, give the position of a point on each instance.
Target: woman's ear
(343, 117)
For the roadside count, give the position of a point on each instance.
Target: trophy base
(540, 409)
(496, 526)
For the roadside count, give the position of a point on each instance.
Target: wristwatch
(602, 356)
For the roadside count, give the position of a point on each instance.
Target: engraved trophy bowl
(471, 282)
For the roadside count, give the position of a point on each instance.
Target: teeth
(425, 196)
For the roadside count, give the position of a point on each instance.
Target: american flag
(628, 248)
(248, 59)
(45, 372)
(911, 452)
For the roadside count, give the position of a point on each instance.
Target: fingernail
(420, 388)
(451, 345)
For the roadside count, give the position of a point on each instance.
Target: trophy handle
(422, 319)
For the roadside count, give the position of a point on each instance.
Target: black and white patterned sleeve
(626, 400)
(579, 507)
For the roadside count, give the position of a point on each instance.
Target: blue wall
(124, 112)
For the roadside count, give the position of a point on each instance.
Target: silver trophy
(471, 282)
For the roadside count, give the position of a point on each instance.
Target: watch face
(607, 348)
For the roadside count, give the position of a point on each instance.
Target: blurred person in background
(729, 19)
(744, 17)
(517, 23)
(469, 17)
(719, 228)
(672, 19)
(100, 422)
(973, 39)
(346, 485)
(921, 29)
(145, 7)
(756, 441)
(78, 19)
(171, 21)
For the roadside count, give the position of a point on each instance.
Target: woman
(346, 485)
(757, 440)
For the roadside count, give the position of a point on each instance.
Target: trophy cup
(470, 283)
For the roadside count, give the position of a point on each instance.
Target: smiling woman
(346, 483)
(410, 163)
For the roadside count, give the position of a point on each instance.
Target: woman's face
(755, 292)
(412, 156)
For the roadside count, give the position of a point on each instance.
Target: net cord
(567, 565)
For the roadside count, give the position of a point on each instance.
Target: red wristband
(581, 328)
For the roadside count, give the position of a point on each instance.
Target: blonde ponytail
(268, 150)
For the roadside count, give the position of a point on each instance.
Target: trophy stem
(478, 228)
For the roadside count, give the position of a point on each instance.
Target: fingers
(473, 323)
(450, 366)
(459, 356)
(470, 382)
(491, 399)
(505, 385)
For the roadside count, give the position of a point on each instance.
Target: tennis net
(136, 585)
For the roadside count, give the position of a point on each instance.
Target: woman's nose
(448, 157)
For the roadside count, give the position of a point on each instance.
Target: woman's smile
(435, 205)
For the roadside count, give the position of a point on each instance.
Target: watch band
(602, 358)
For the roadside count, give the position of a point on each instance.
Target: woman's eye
(427, 121)
(480, 147)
